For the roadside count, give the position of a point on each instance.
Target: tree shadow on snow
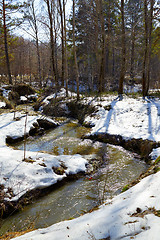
(109, 115)
(150, 103)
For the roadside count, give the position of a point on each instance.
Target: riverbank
(129, 118)
(24, 172)
(133, 214)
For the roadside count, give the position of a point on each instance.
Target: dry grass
(11, 235)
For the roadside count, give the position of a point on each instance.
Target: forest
(98, 45)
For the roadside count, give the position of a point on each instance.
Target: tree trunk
(30, 64)
(103, 51)
(123, 60)
(148, 17)
(113, 57)
(74, 52)
(132, 53)
(52, 45)
(96, 12)
(62, 40)
(6, 44)
(150, 20)
(65, 50)
(144, 77)
(108, 39)
(37, 45)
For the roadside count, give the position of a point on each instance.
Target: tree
(30, 16)
(74, 52)
(103, 49)
(134, 22)
(65, 49)
(123, 56)
(148, 22)
(11, 43)
(9, 19)
(50, 9)
(62, 38)
(6, 41)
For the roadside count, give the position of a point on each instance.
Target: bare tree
(62, 38)
(6, 42)
(123, 56)
(148, 21)
(74, 52)
(103, 50)
(65, 49)
(50, 8)
(32, 19)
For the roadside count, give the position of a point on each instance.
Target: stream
(77, 196)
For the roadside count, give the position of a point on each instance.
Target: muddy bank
(8, 208)
(140, 146)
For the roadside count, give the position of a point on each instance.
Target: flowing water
(76, 197)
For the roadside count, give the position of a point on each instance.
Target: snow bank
(117, 218)
(38, 170)
(130, 118)
(61, 93)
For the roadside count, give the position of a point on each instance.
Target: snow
(2, 104)
(130, 118)
(113, 219)
(23, 98)
(117, 218)
(21, 176)
(61, 93)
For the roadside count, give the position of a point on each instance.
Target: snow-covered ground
(130, 215)
(18, 176)
(116, 219)
(130, 118)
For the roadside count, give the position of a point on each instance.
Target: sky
(26, 32)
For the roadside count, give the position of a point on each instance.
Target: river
(77, 196)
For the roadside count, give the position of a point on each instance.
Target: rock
(108, 107)
(35, 124)
(56, 109)
(46, 124)
(58, 170)
(32, 98)
(33, 131)
(13, 97)
(23, 89)
(36, 131)
(138, 210)
(40, 131)
(12, 140)
(88, 125)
